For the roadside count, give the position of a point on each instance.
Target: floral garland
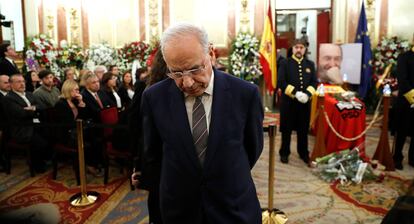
(101, 54)
(70, 55)
(386, 53)
(41, 52)
(244, 59)
(138, 50)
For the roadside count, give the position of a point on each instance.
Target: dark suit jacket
(13, 105)
(123, 94)
(222, 191)
(3, 119)
(92, 109)
(405, 74)
(7, 68)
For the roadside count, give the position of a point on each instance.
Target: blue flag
(363, 37)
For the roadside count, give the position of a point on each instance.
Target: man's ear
(211, 50)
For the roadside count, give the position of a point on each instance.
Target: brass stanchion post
(272, 215)
(382, 153)
(83, 198)
(319, 148)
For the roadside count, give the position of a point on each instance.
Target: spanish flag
(268, 53)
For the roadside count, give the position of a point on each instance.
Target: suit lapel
(180, 120)
(18, 98)
(220, 109)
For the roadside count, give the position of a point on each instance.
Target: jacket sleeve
(283, 83)
(404, 85)
(152, 150)
(253, 133)
(15, 111)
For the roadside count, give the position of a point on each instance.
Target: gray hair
(100, 68)
(182, 29)
(88, 76)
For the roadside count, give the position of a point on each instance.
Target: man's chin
(195, 92)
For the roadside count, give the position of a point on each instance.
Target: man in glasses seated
(202, 136)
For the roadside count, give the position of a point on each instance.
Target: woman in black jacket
(69, 108)
(126, 90)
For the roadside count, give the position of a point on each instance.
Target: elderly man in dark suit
(22, 109)
(202, 136)
(7, 57)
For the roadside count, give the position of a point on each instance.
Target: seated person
(109, 87)
(22, 109)
(69, 108)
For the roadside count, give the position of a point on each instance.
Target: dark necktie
(200, 132)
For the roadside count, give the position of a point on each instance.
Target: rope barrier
(374, 119)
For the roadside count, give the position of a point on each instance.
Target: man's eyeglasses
(190, 72)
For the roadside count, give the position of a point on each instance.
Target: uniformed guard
(297, 80)
(405, 107)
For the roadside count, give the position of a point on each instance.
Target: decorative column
(370, 12)
(244, 17)
(153, 21)
(50, 25)
(74, 27)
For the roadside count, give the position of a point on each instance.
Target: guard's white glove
(298, 94)
(305, 98)
(302, 97)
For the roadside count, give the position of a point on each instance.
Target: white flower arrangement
(41, 51)
(101, 54)
(70, 55)
(244, 58)
(387, 52)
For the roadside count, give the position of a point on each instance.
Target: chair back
(109, 116)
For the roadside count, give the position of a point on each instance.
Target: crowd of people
(31, 101)
(198, 134)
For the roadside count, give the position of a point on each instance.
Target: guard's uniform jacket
(296, 75)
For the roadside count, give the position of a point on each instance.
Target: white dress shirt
(118, 99)
(207, 101)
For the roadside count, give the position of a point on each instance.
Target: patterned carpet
(302, 196)
(307, 199)
(43, 189)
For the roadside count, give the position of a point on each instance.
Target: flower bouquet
(345, 166)
(41, 52)
(385, 54)
(244, 58)
(138, 50)
(70, 55)
(101, 54)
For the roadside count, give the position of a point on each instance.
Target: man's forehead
(299, 46)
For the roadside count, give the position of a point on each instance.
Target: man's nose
(333, 63)
(188, 81)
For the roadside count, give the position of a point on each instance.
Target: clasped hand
(302, 97)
